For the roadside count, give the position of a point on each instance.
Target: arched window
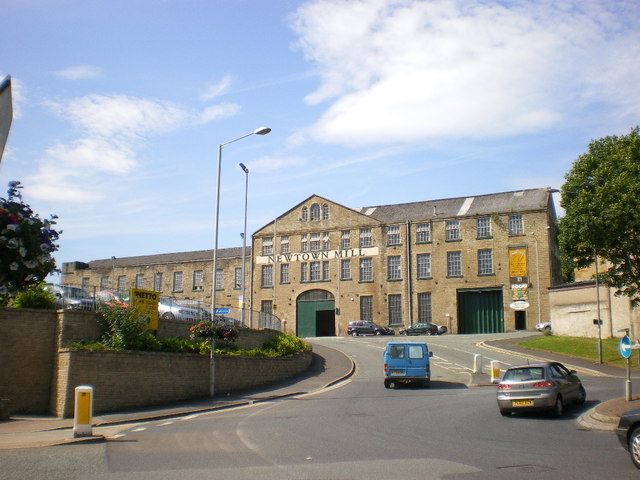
(315, 212)
(304, 216)
(325, 211)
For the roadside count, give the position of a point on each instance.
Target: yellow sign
(517, 262)
(146, 302)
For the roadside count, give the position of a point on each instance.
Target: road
(354, 430)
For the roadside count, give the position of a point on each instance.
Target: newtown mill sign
(311, 256)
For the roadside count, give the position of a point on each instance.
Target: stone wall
(123, 380)
(27, 347)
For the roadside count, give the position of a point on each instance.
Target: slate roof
(165, 258)
(505, 202)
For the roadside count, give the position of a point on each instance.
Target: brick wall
(27, 350)
(124, 380)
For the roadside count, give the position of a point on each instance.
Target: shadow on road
(435, 385)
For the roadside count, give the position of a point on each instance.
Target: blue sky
(120, 106)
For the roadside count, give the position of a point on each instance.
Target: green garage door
(480, 311)
(315, 314)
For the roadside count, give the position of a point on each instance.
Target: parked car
(628, 432)
(170, 309)
(112, 298)
(543, 326)
(70, 297)
(442, 329)
(363, 327)
(406, 362)
(539, 386)
(425, 328)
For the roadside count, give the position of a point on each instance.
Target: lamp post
(599, 347)
(257, 131)
(244, 237)
(535, 238)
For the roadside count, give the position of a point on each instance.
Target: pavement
(328, 367)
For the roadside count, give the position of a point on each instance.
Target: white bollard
(477, 363)
(495, 371)
(82, 411)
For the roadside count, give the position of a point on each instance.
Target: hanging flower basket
(212, 331)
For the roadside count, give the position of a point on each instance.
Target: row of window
(320, 240)
(319, 271)
(316, 212)
(394, 303)
(197, 284)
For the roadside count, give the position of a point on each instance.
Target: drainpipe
(409, 279)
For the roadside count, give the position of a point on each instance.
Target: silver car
(539, 386)
(170, 309)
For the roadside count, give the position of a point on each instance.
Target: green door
(315, 314)
(480, 311)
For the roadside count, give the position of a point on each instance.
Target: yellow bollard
(477, 363)
(82, 411)
(495, 371)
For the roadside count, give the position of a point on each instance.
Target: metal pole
(627, 390)
(244, 239)
(215, 245)
(538, 280)
(595, 254)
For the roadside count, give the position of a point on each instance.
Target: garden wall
(123, 380)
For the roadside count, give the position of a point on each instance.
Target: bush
(124, 329)
(284, 344)
(34, 297)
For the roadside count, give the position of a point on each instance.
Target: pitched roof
(505, 202)
(164, 258)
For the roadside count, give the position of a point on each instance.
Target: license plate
(522, 403)
(396, 372)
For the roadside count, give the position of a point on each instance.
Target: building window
(219, 279)
(423, 233)
(325, 270)
(483, 227)
(393, 268)
(104, 283)
(85, 283)
(365, 237)
(393, 235)
(452, 230)
(157, 282)
(315, 212)
(304, 244)
(366, 308)
(395, 309)
(267, 276)
(267, 246)
(315, 242)
(284, 273)
(325, 240)
(424, 265)
(454, 267)
(424, 307)
(266, 309)
(366, 270)
(304, 214)
(177, 281)
(345, 239)
(516, 225)
(237, 278)
(314, 270)
(284, 244)
(345, 269)
(304, 272)
(122, 283)
(198, 277)
(485, 262)
(325, 212)
(139, 280)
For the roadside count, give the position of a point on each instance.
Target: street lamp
(533, 234)
(257, 131)
(244, 238)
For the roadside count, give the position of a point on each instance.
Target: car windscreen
(523, 374)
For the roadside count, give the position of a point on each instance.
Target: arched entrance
(315, 314)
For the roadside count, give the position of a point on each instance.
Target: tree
(601, 198)
(27, 244)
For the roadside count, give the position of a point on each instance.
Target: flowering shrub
(27, 243)
(212, 330)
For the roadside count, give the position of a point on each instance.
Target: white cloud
(217, 89)
(95, 153)
(414, 70)
(78, 72)
(274, 163)
(222, 110)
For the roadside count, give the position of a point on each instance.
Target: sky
(119, 107)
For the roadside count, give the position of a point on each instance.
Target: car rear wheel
(168, 316)
(388, 383)
(558, 410)
(582, 396)
(428, 333)
(634, 447)
(354, 334)
(378, 332)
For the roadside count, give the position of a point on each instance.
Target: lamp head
(261, 131)
(244, 168)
